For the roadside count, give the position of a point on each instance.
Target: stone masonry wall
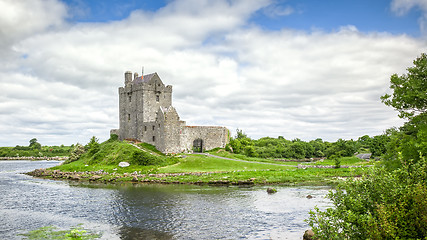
(212, 137)
(146, 114)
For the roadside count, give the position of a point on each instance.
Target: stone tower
(146, 114)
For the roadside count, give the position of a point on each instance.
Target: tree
(409, 90)
(34, 144)
(409, 97)
(93, 145)
(389, 202)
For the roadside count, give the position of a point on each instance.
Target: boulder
(308, 235)
(124, 164)
(135, 179)
(309, 196)
(94, 178)
(271, 190)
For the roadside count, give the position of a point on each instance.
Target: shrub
(75, 153)
(145, 159)
(382, 205)
(93, 146)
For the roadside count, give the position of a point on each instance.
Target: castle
(147, 115)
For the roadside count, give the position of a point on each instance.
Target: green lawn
(201, 163)
(254, 170)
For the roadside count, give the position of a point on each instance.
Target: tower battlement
(146, 114)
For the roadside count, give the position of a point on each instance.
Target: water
(151, 211)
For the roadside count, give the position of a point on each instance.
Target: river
(140, 211)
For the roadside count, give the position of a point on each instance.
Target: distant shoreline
(34, 158)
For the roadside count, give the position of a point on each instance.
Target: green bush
(93, 146)
(145, 159)
(382, 205)
(75, 153)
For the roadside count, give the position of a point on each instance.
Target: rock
(75, 177)
(271, 190)
(309, 196)
(135, 179)
(124, 164)
(94, 178)
(308, 235)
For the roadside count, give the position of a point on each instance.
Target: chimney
(128, 77)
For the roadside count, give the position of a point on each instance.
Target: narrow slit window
(157, 98)
(153, 127)
(154, 138)
(145, 128)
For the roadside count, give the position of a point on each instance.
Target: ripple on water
(153, 211)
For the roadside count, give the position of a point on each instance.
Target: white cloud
(224, 72)
(402, 7)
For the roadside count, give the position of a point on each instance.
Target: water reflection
(141, 211)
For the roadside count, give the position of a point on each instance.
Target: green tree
(93, 146)
(387, 203)
(34, 144)
(409, 97)
(409, 90)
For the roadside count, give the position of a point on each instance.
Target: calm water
(151, 211)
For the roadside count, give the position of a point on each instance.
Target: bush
(113, 137)
(382, 205)
(75, 153)
(93, 146)
(145, 159)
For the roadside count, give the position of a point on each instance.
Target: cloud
(402, 7)
(61, 83)
(275, 10)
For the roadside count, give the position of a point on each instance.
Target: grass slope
(150, 161)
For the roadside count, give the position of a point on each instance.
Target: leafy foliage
(93, 146)
(35, 149)
(34, 144)
(382, 205)
(409, 90)
(75, 153)
(390, 202)
(280, 147)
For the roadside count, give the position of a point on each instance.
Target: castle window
(129, 117)
(157, 98)
(145, 128)
(153, 127)
(130, 98)
(154, 138)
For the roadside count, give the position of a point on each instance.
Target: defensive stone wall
(212, 137)
(147, 115)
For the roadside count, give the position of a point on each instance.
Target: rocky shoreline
(105, 177)
(35, 158)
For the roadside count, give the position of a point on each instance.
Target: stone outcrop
(308, 235)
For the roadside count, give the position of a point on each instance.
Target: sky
(302, 69)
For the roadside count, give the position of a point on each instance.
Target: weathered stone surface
(308, 235)
(135, 179)
(146, 114)
(271, 190)
(124, 164)
(95, 178)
